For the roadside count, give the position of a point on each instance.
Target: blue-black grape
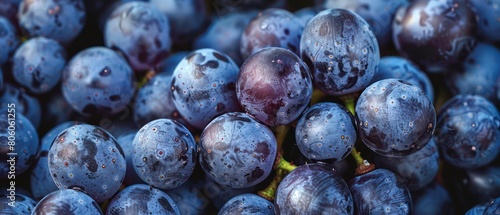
(395, 117)
(192, 196)
(142, 199)
(436, 34)
(125, 141)
(21, 205)
(164, 153)
(18, 142)
(38, 64)
(87, 157)
(326, 131)
(487, 12)
(203, 86)
(170, 63)
(237, 151)
(141, 32)
(467, 131)
(433, 199)
(341, 50)
(272, 27)
(313, 189)
(59, 20)
(380, 192)
(98, 81)
(26, 104)
(477, 209)
(2, 83)
(8, 39)
(493, 206)
(274, 86)
(247, 203)
(8, 9)
(67, 201)
(305, 14)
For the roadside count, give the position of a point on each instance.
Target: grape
(432, 199)
(271, 28)
(98, 81)
(477, 210)
(8, 38)
(493, 207)
(56, 110)
(313, 189)
(164, 153)
(2, 84)
(89, 158)
(284, 93)
(305, 14)
(38, 64)
(468, 131)
(341, 51)
(26, 104)
(22, 205)
(487, 12)
(434, 33)
(395, 118)
(379, 192)
(8, 9)
(190, 197)
(67, 201)
(326, 131)
(142, 199)
(55, 19)
(169, 64)
(237, 151)
(125, 141)
(247, 203)
(203, 86)
(141, 32)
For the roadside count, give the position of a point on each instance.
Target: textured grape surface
(26, 104)
(67, 201)
(341, 51)
(22, 205)
(125, 141)
(487, 12)
(247, 203)
(8, 39)
(141, 199)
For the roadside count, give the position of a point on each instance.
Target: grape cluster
(250, 107)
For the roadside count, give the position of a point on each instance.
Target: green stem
(349, 103)
(144, 80)
(362, 165)
(285, 165)
(317, 96)
(270, 190)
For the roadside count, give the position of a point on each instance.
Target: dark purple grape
(247, 203)
(141, 32)
(237, 151)
(87, 157)
(164, 153)
(26, 104)
(313, 189)
(379, 192)
(67, 201)
(224, 34)
(478, 74)
(305, 14)
(274, 86)
(341, 51)
(326, 131)
(378, 13)
(8, 9)
(55, 19)
(170, 63)
(192, 196)
(488, 12)
(21, 205)
(433, 199)
(8, 38)
(142, 199)
(435, 33)
(18, 142)
(467, 131)
(98, 81)
(38, 64)
(402, 68)
(56, 110)
(395, 118)
(203, 86)
(416, 170)
(126, 143)
(272, 27)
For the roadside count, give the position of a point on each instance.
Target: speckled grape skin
(341, 51)
(395, 118)
(98, 81)
(8, 39)
(141, 32)
(434, 33)
(493, 206)
(87, 157)
(488, 13)
(247, 204)
(26, 141)
(272, 27)
(378, 13)
(125, 141)
(326, 131)
(203, 86)
(478, 74)
(416, 170)
(379, 192)
(224, 34)
(22, 205)
(237, 151)
(142, 199)
(26, 104)
(467, 131)
(404, 69)
(164, 153)
(38, 64)
(61, 20)
(284, 93)
(40, 178)
(67, 201)
(313, 189)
